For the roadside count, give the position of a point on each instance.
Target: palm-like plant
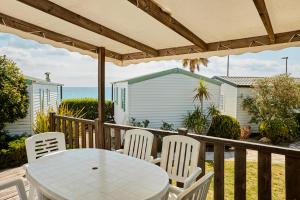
(194, 64)
(201, 93)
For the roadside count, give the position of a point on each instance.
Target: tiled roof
(241, 81)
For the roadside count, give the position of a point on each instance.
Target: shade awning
(134, 31)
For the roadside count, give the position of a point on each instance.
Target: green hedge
(225, 126)
(14, 155)
(89, 107)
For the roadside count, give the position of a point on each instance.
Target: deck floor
(9, 174)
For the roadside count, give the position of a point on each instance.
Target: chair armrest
(156, 160)
(189, 181)
(120, 151)
(175, 190)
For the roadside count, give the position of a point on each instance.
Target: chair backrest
(44, 143)
(179, 156)
(199, 190)
(18, 183)
(138, 144)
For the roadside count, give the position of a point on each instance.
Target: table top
(97, 174)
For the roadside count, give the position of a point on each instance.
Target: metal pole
(228, 66)
(286, 63)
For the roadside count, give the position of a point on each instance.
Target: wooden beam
(57, 37)
(287, 37)
(264, 15)
(67, 15)
(165, 18)
(101, 95)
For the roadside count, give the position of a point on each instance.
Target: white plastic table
(97, 174)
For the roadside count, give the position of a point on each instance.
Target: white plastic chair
(179, 157)
(41, 145)
(18, 183)
(197, 191)
(138, 144)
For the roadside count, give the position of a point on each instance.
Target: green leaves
(14, 101)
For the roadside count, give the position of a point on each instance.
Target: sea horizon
(84, 92)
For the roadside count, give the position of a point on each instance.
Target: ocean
(82, 92)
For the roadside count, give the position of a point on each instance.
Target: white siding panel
(242, 115)
(24, 125)
(230, 99)
(120, 116)
(167, 98)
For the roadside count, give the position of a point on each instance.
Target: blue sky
(74, 69)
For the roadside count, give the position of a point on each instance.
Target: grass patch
(278, 181)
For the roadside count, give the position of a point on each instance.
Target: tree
(275, 100)
(194, 64)
(201, 93)
(14, 99)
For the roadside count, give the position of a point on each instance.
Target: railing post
(182, 131)
(97, 138)
(292, 177)
(219, 171)
(240, 174)
(52, 121)
(264, 176)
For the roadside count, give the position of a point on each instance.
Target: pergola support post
(101, 96)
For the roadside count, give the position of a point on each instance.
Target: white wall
(22, 125)
(242, 115)
(120, 116)
(229, 94)
(26, 125)
(167, 98)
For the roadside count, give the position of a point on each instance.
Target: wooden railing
(81, 133)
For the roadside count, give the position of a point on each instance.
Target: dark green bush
(225, 127)
(134, 122)
(14, 155)
(278, 130)
(89, 107)
(167, 126)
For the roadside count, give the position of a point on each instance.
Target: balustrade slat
(201, 160)
(58, 124)
(97, 132)
(70, 133)
(83, 135)
(264, 176)
(292, 177)
(76, 142)
(107, 132)
(240, 174)
(219, 171)
(154, 146)
(117, 138)
(64, 126)
(90, 131)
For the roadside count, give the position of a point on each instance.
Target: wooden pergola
(134, 31)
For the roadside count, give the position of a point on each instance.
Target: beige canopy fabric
(135, 31)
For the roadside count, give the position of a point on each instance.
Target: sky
(77, 70)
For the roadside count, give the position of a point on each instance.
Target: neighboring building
(233, 91)
(43, 95)
(162, 96)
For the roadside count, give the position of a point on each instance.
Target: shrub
(224, 126)
(89, 107)
(167, 126)
(134, 122)
(13, 93)
(14, 155)
(278, 130)
(196, 121)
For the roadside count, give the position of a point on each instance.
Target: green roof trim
(167, 72)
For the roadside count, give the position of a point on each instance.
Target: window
(116, 95)
(123, 99)
(221, 102)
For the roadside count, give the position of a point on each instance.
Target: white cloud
(74, 69)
